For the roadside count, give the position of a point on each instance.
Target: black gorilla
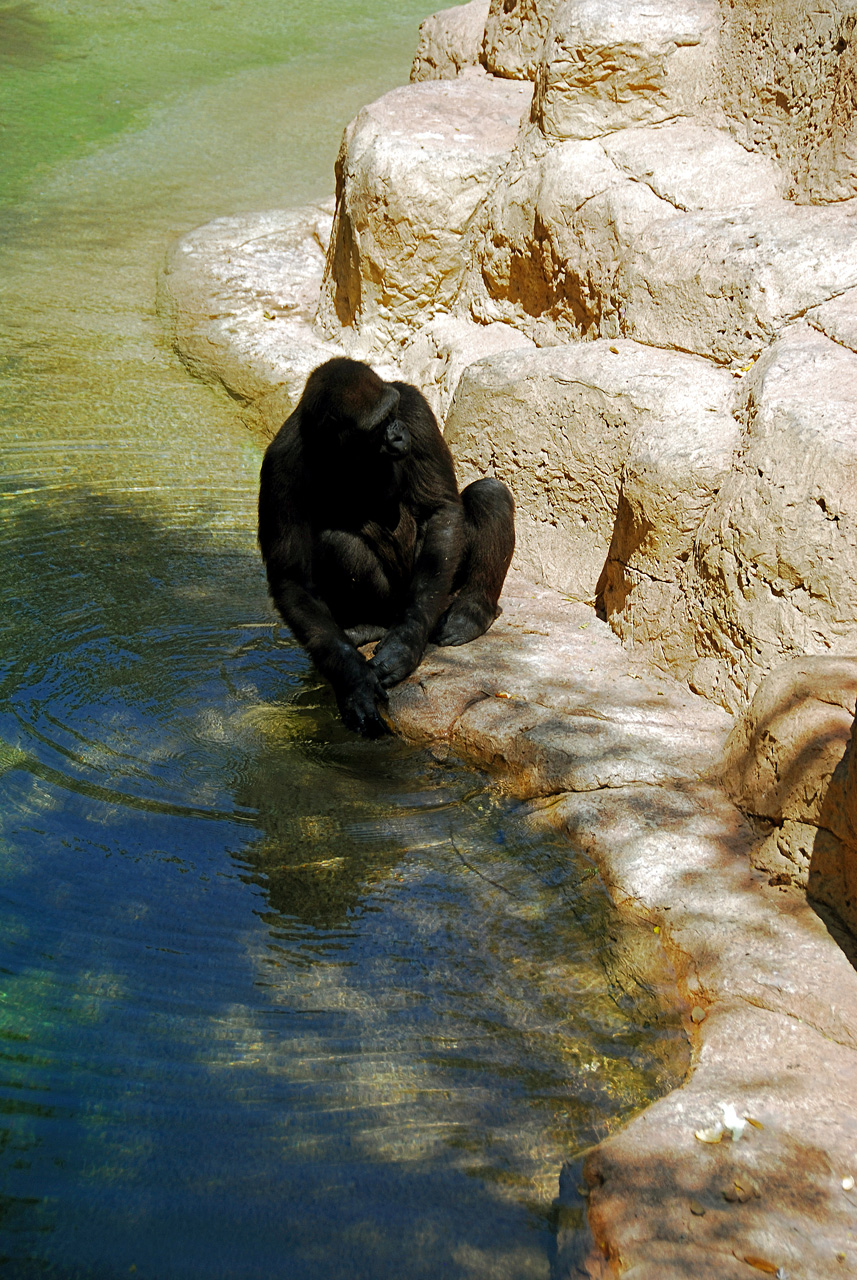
(365, 535)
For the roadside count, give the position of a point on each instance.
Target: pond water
(275, 1001)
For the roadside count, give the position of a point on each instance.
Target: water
(276, 1002)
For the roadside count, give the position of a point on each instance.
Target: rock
(411, 171)
(675, 467)
(786, 74)
(775, 561)
(450, 41)
(559, 425)
(437, 354)
(695, 167)
(610, 64)
(548, 247)
(725, 284)
(837, 318)
(238, 297)
(514, 35)
(787, 750)
(791, 760)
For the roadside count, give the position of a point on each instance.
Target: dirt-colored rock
(726, 284)
(775, 561)
(561, 425)
(787, 78)
(238, 296)
(610, 64)
(549, 243)
(450, 41)
(514, 35)
(790, 760)
(412, 169)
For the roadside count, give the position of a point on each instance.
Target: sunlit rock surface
(450, 41)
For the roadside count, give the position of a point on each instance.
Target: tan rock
(560, 424)
(787, 76)
(412, 169)
(791, 759)
(436, 355)
(838, 318)
(787, 750)
(674, 470)
(546, 245)
(776, 557)
(238, 297)
(450, 41)
(725, 284)
(514, 35)
(695, 166)
(610, 64)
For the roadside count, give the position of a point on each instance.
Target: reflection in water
(276, 1001)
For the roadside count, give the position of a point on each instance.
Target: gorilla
(365, 535)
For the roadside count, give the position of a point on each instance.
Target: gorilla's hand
(359, 707)
(397, 655)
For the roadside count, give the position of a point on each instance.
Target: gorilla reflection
(365, 535)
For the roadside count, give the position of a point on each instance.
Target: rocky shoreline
(626, 275)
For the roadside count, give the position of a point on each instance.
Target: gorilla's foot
(467, 618)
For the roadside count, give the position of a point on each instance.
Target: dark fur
(365, 535)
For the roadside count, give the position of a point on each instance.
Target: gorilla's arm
(400, 651)
(287, 554)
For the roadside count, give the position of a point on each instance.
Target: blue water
(276, 1002)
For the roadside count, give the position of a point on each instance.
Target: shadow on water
(276, 1001)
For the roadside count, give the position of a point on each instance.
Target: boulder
(450, 41)
(610, 64)
(514, 35)
(545, 247)
(775, 561)
(562, 425)
(790, 759)
(562, 228)
(787, 79)
(695, 167)
(238, 298)
(412, 169)
(724, 284)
